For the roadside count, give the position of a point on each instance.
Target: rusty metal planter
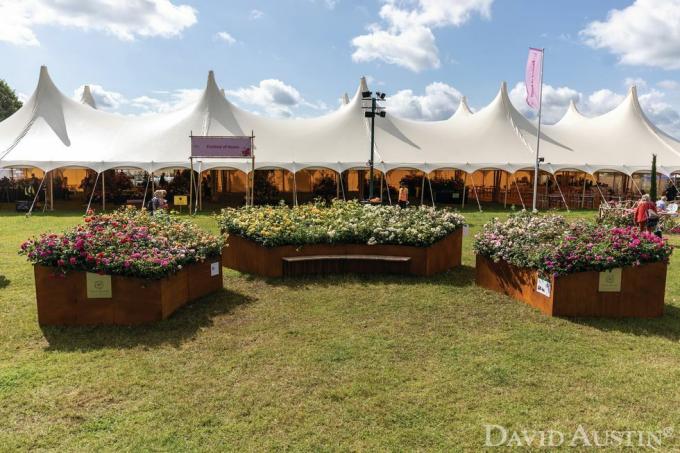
(62, 299)
(577, 295)
(248, 256)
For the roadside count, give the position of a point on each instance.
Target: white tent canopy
(53, 131)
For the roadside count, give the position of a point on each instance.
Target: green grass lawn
(342, 363)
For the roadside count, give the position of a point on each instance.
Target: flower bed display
(260, 237)
(574, 269)
(128, 267)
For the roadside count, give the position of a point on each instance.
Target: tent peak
(463, 108)
(363, 85)
(572, 113)
(87, 97)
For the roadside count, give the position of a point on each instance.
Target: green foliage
(9, 102)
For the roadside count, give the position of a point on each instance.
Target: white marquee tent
(53, 131)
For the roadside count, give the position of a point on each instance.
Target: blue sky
(297, 57)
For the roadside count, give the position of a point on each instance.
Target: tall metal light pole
(371, 113)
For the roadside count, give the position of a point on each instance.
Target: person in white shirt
(661, 204)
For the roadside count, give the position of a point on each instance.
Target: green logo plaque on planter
(610, 281)
(98, 286)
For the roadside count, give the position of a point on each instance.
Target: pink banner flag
(206, 146)
(533, 77)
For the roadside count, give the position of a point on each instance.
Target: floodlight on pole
(372, 111)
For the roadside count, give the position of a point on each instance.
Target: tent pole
(342, 187)
(295, 200)
(600, 190)
(474, 188)
(636, 186)
(37, 194)
(381, 190)
(146, 187)
(462, 203)
(46, 189)
(52, 190)
(199, 186)
(338, 176)
(94, 186)
(429, 182)
(422, 190)
(191, 184)
(247, 187)
(104, 191)
(561, 194)
(387, 186)
(505, 201)
(583, 197)
(518, 192)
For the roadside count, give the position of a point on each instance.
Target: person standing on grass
(646, 214)
(403, 196)
(158, 202)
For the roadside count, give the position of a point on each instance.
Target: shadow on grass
(179, 327)
(4, 281)
(458, 277)
(667, 326)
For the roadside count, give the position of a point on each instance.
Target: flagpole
(538, 136)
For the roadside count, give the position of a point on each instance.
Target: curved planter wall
(63, 300)
(248, 256)
(641, 293)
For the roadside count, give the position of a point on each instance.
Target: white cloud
(165, 101)
(414, 49)
(439, 102)
(104, 99)
(256, 14)
(602, 101)
(670, 85)
(273, 96)
(556, 100)
(634, 81)
(645, 33)
(225, 37)
(123, 19)
(158, 102)
(406, 39)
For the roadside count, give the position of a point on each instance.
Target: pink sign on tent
(533, 78)
(202, 146)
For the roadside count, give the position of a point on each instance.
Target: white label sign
(543, 287)
(98, 286)
(214, 269)
(610, 281)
